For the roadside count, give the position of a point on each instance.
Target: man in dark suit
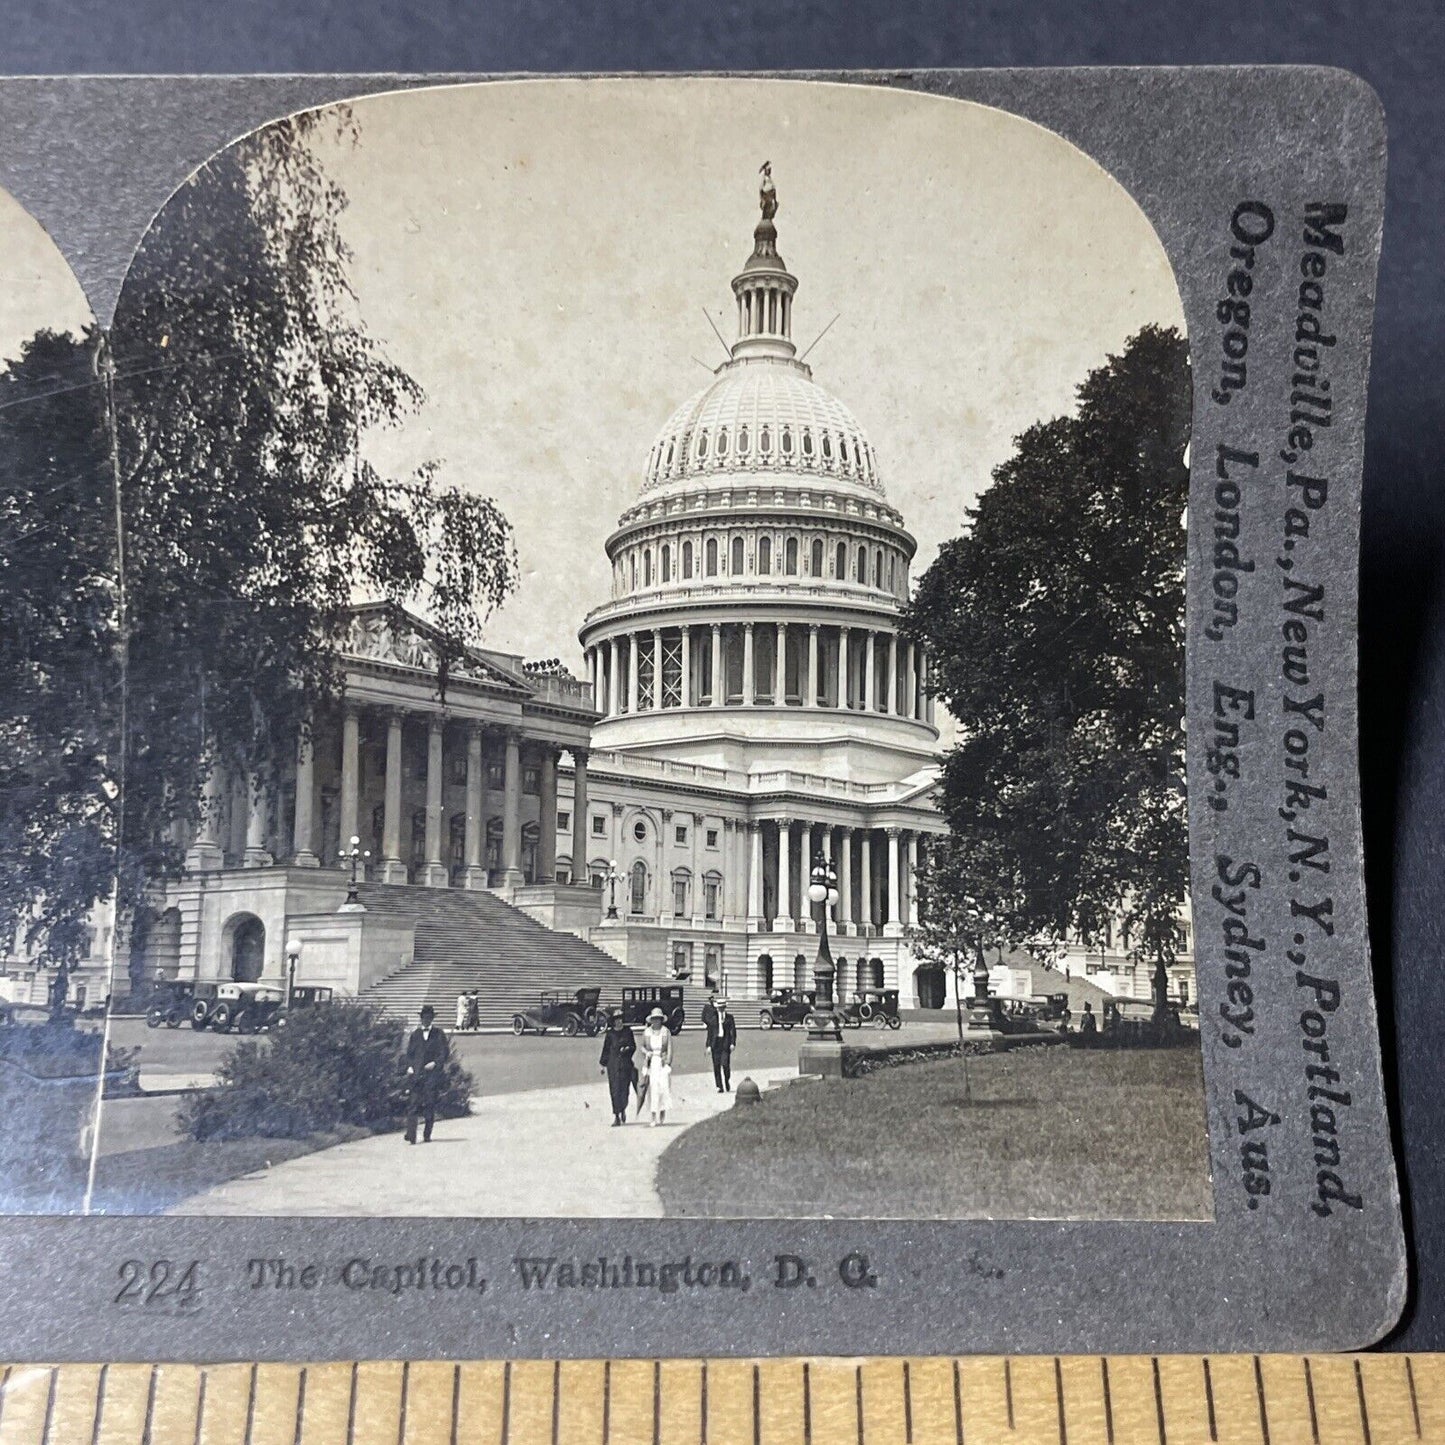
(426, 1057)
(722, 1039)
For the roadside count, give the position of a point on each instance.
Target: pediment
(397, 639)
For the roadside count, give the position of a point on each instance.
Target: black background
(1396, 47)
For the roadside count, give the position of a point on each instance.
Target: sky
(539, 256)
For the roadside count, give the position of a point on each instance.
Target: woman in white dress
(656, 1051)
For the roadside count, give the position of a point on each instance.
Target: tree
(245, 388)
(59, 645)
(1055, 628)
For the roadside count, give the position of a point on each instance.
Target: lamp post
(823, 888)
(293, 957)
(357, 859)
(612, 887)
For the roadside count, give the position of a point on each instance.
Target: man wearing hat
(426, 1058)
(722, 1039)
(656, 1049)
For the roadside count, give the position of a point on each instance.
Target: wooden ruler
(1070, 1400)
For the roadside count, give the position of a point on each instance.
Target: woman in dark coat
(617, 1050)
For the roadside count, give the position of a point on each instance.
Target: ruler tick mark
(1158, 1400)
(506, 1402)
(99, 1401)
(858, 1399)
(907, 1406)
(401, 1408)
(456, 1402)
(1414, 1399)
(251, 1406)
(351, 1406)
(1209, 1401)
(1008, 1391)
(957, 1404)
(1364, 1409)
(1259, 1395)
(49, 1408)
(1059, 1399)
(1108, 1401)
(300, 1406)
(201, 1408)
(1310, 1395)
(702, 1411)
(656, 1402)
(149, 1426)
(557, 1401)
(757, 1410)
(607, 1402)
(807, 1405)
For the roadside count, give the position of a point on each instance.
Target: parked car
(786, 1007)
(571, 1016)
(875, 1006)
(637, 1003)
(246, 1007)
(170, 1004)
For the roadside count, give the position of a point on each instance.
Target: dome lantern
(763, 288)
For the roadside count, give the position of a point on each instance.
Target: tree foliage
(59, 644)
(1055, 629)
(246, 385)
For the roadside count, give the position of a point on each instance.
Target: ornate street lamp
(357, 860)
(823, 1022)
(612, 876)
(293, 957)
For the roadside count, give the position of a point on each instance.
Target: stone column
(780, 666)
(581, 818)
(632, 672)
(748, 691)
(512, 875)
(303, 823)
(699, 891)
(890, 696)
(910, 875)
(805, 877)
(686, 666)
(434, 875)
(810, 695)
(614, 676)
(785, 883)
(206, 852)
(547, 819)
(476, 874)
(719, 685)
(350, 776)
(869, 701)
(755, 876)
(258, 823)
(910, 682)
(893, 924)
(393, 870)
(865, 882)
(845, 878)
(843, 667)
(657, 669)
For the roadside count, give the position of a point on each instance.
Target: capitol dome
(762, 415)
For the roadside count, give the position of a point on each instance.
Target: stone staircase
(473, 940)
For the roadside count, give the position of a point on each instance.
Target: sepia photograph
(603, 649)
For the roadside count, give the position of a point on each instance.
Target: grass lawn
(1052, 1133)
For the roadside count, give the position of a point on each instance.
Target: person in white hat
(656, 1050)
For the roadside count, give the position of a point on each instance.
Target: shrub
(335, 1065)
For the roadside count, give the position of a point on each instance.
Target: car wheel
(519, 1025)
(199, 1014)
(895, 1022)
(571, 1028)
(221, 1020)
(155, 1018)
(765, 1019)
(879, 1021)
(173, 1019)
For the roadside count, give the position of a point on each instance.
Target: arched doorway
(765, 975)
(802, 974)
(247, 947)
(929, 986)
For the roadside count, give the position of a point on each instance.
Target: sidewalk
(542, 1153)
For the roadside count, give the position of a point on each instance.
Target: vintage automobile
(637, 1003)
(876, 1006)
(786, 1007)
(578, 1014)
(303, 995)
(248, 1008)
(170, 1004)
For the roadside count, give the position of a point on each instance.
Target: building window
(807, 442)
(712, 966)
(532, 779)
(666, 563)
(599, 825)
(765, 555)
(564, 822)
(679, 897)
(702, 446)
(736, 565)
(862, 573)
(597, 875)
(682, 961)
(712, 837)
(765, 441)
(496, 773)
(634, 571)
(817, 557)
(457, 769)
(686, 561)
(744, 445)
(722, 442)
(841, 568)
(564, 874)
(710, 895)
(827, 447)
(681, 833)
(878, 570)
(711, 554)
(790, 557)
(639, 831)
(787, 442)
(637, 893)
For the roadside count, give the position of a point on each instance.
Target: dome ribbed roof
(758, 418)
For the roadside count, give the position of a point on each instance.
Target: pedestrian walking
(474, 1011)
(462, 1003)
(722, 1039)
(427, 1052)
(657, 1066)
(1088, 1024)
(618, 1047)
